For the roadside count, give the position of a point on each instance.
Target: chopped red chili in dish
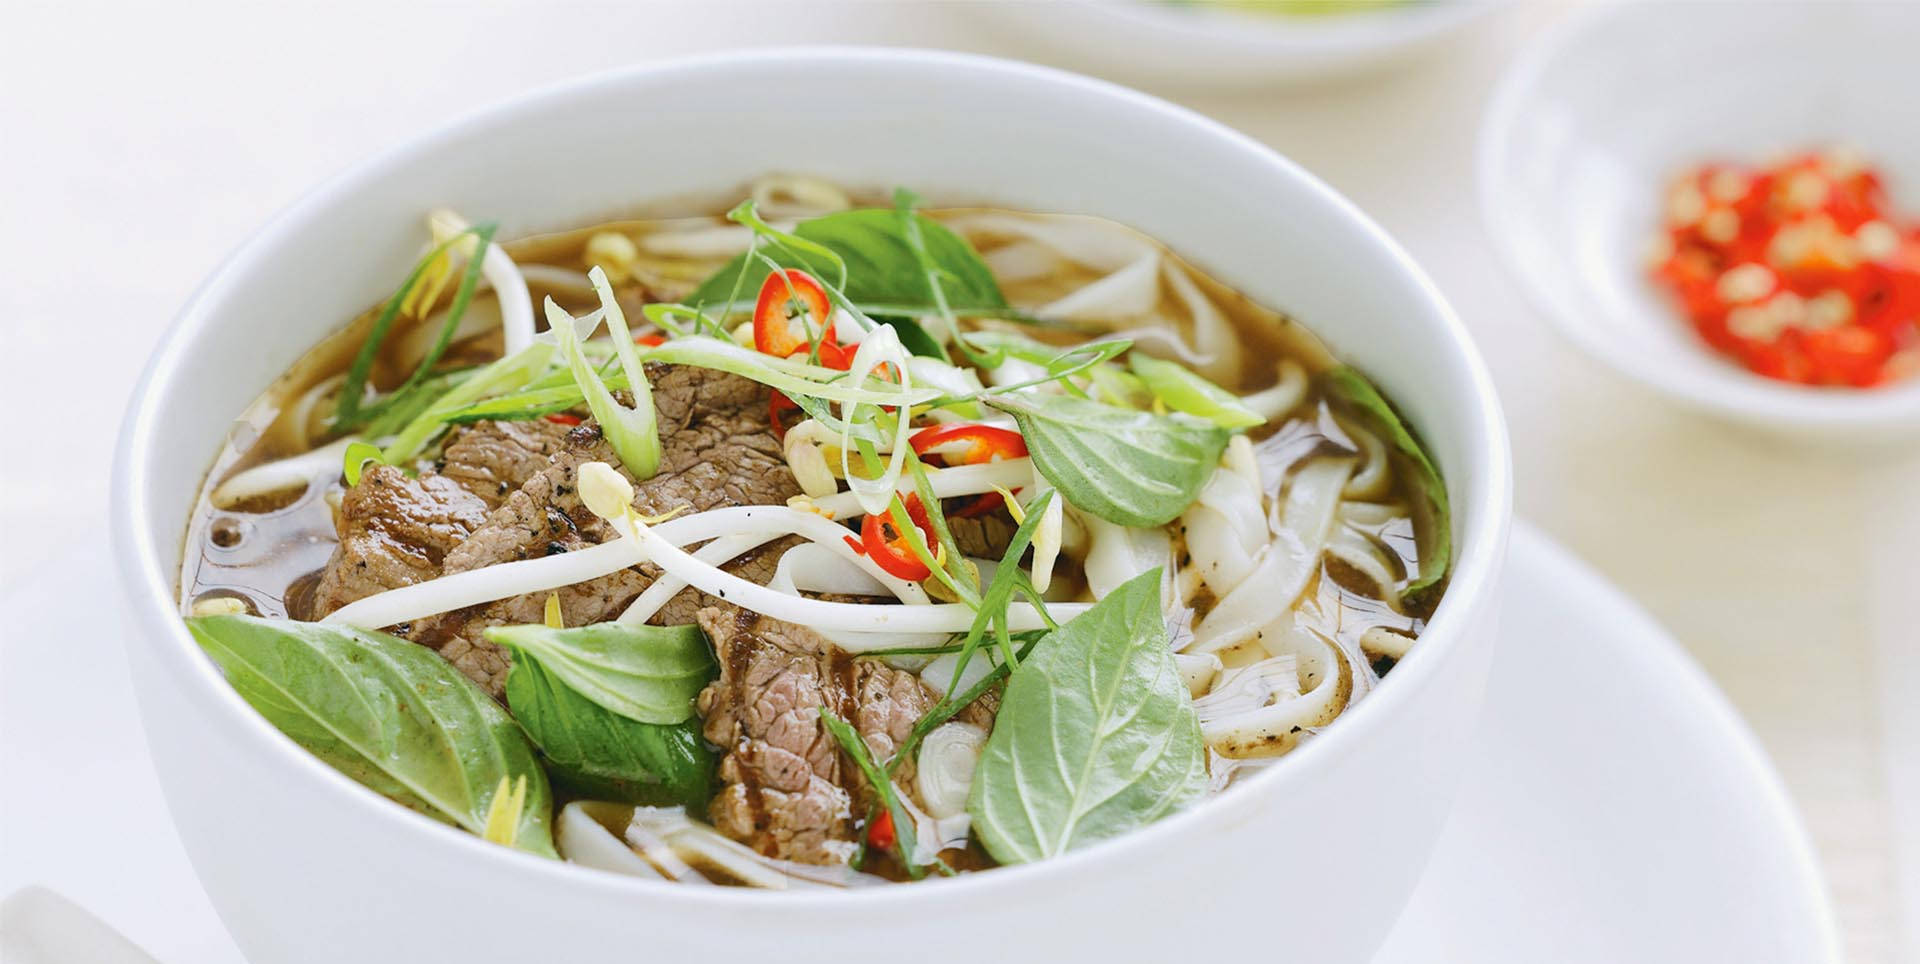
(1799, 270)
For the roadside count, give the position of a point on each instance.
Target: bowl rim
(1743, 396)
(1483, 515)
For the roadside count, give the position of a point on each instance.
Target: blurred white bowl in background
(1202, 44)
(1588, 127)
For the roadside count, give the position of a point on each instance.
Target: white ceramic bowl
(1587, 129)
(1312, 859)
(1146, 41)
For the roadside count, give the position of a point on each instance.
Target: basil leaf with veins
(1096, 735)
(1128, 467)
(601, 754)
(389, 713)
(650, 674)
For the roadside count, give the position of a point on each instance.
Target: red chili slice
(892, 549)
(652, 339)
(832, 355)
(781, 414)
(778, 333)
(563, 418)
(840, 358)
(880, 832)
(984, 442)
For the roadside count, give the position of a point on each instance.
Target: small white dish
(1621, 812)
(1199, 44)
(1586, 129)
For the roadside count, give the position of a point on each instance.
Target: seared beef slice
(492, 459)
(717, 451)
(395, 531)
(787, 793)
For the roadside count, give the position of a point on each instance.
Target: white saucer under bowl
(1587, 128)
(1619, 810)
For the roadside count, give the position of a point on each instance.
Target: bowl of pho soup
(958, 527)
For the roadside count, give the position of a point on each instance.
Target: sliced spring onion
(642, 412)
(355, 459)
(350, 411)
(405, 409)
(503, 374)
(1184, 391)
(1119, 387)
(632, 432)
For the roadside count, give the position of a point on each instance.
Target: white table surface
(140, 143)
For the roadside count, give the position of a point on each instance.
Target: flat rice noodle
(1302, 523)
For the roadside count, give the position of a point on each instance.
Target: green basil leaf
(599, 753)
(884, 274)
(1184, 391)
(1096, 735)
(386, 712)
(1129, 468)
(1357, 395)
(646, 673)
